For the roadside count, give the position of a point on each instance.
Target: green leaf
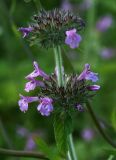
(27, 1)
(46, 150)
(110, 151)
(111, 157)
(62, 128)
(113, 118)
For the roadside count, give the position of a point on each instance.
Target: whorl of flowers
(76, 91)
(48, 28)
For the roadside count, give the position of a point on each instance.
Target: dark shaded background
(16, 57)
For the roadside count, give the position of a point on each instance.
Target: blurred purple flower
(25, 31)
(86, 4)
(93, 87)
(37, 72)
(87, 134)
(23, 102)
(21, 131)
(88, 75)
(80, 107)
(30, 144)
(107, 53)
(45, 107)
(66, 5)
(33, 84)
(104, 23)
(72, 38)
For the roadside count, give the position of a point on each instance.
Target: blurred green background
(16, 56)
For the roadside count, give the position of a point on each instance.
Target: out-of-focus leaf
(47, 150)
(113, 118)
(38, 4)
(27, 1)
(111, 157)
(109, 4)
(110, 151)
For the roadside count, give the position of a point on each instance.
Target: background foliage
(16, 58)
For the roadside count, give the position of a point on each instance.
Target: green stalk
(59, 66)
(15, 153)
(71, 148)
(96, 122)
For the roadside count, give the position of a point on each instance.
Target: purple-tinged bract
(88, 75)
(45, 107)
(72, 38)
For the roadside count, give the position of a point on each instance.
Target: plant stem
(71, 148)
(95, 120)
(15, 153)
(59, 66)
(5, 135)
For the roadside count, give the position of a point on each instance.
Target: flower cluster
(45, 106)
(70, 97)
(50, 28)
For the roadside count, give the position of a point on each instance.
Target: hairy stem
(8, 152)
(59, 70)
(59, 66)
(71, 148)
(95, 120)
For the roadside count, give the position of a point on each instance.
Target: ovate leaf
(62, 128)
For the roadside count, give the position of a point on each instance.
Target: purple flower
(80, 107)
(87, 134)
(88, 75)
(86, 4)
(37, 72)
(45, 107)
(30, 144)
(23, 132)
(33, 84)
(93, 87)
(66, 5)
(23, 102)
(25, 31)
(107, 53)
(104, 23)
(72, 38)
